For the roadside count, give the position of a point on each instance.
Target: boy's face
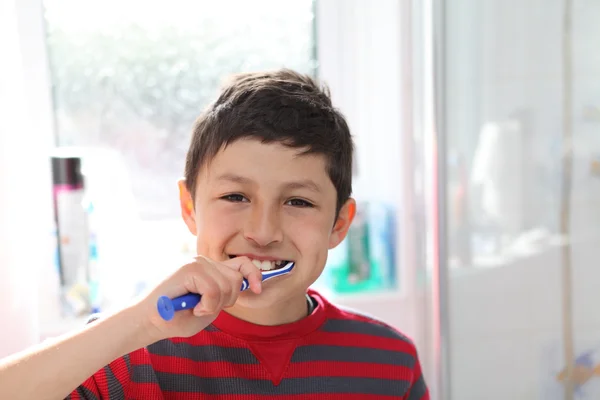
(267, 201)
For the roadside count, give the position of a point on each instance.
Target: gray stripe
(85, 393)
(313, 385)
(115, 390)
(143, 374)
(361, 327)
(203, 353)
(211, 328)
(352, 354)
(127, 362)
(418, 390)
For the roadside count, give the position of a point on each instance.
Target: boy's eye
(235, 198)
(299, 203)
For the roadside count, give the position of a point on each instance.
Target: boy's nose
(263, 227)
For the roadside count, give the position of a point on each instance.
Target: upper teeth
(266, 265)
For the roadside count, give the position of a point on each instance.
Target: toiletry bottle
(383, 244)
(359, 265)
(349, 264)
(94, 267)
(72, 230)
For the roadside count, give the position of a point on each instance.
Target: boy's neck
(287, 312)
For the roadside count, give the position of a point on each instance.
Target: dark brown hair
(276, 106)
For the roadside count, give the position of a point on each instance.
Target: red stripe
(212, 338)
(349, 369)
(220, 369)
(90, 384)
(326, 338)
(140, 356)
(101, 381)
(213, 369)
(152, 391)
(120, 371)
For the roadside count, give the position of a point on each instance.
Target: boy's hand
(218, 282)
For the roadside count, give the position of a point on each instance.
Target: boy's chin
(271, 295)
(265, 300)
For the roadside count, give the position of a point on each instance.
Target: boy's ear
(342, 224)
(187, 206)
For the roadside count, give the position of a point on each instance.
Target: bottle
(359, 247)
(94, 268)
(365, 262)
(383, 239)
(73, 235)
(349, 265)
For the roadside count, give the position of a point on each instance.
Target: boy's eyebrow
(234, 178)
(301, 184)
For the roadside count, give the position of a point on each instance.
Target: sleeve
(418, 389)
(108, 383)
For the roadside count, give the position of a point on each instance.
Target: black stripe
(418, 389)
(115, 390)
(143, 374)
(170, 382)
(127, 362)
(361, 327)
(211, 328)
(86, 393)
(352, 354)
(205, 353)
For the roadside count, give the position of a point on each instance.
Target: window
(132, 76)
(129, 79)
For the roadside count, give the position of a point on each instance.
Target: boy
(268, 179)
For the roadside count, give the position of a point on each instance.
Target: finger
(229, 282)
(248, 271)
(206, 285)
(232, 282)
(226, 281)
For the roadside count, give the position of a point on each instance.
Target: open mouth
(267, 265)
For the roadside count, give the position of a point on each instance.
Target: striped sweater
(331, 354)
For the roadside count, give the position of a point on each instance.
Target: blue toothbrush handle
(167, 306)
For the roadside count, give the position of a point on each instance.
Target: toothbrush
(167, 307)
